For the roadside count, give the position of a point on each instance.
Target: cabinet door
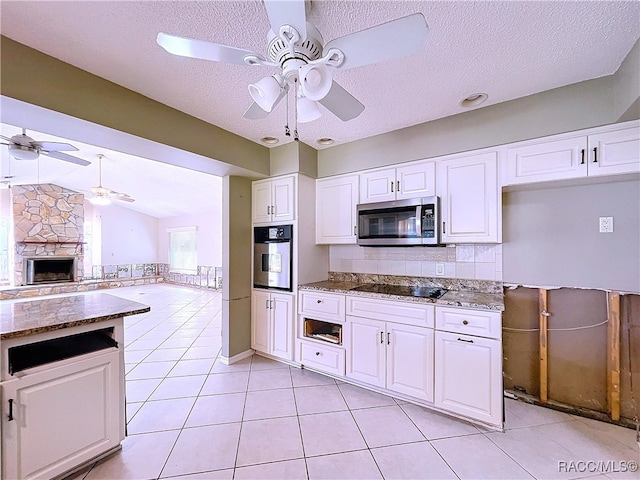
(410, 360)
(283, 196)
(366, 350)
(62, 417)
(416, 180)
(261, 201)
(281, 330)
(260, 313)
(378, 186)
(553, 160)
(468, 187)
(468, 376)
(336, 201)
(615, 152)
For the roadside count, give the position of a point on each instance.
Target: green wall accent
(38, 79)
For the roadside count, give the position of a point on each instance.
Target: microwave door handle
(419, 221)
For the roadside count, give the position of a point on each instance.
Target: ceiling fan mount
(297, 48)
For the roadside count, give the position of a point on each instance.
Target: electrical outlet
(440, 269)
(606, 224)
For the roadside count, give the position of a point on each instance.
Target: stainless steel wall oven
(273, 257)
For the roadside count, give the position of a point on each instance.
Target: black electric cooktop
(405, 291)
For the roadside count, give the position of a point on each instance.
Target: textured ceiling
(506, 49)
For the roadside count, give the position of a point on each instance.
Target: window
(183, 252)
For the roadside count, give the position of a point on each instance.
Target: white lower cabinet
(468, 363)
(56, 419)
(272, 323)
(390, 355)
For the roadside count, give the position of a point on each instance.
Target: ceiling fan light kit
(20, 152)
(297, 48)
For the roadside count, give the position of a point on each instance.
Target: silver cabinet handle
(444, 227)
(388, 338)
(273, 210)
(10, 417)
(582, 154)
(398, 186)
(381, 337)
(319, 301)
(463, 340)
(595, 154)
(267, 304)
(392, 186)
(354, 230)
(270, 304)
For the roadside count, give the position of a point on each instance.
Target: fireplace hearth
(49, 270)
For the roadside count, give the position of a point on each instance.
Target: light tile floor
(192, 417)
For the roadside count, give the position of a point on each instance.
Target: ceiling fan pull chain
(295, 110)
(287, 132)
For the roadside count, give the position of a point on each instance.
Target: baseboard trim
(236, 358)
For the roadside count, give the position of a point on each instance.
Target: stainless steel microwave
(399, 222)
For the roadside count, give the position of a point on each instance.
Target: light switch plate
(606, 224)
(440, 269)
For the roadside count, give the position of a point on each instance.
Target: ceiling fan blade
(394, 39)
(189, 47)
(54, 146)
(121, 196)
(341, 103)
(8, 139)
(287, 12)
(254, 112)
(66, 158)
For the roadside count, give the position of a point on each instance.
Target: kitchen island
(61, 382)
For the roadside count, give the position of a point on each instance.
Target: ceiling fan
(103, 195)
(23, 147)
(298, 49)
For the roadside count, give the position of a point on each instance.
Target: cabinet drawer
(408, 313)
(323, 306)
(471, 322)
(324, 358)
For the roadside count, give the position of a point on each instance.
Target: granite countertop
(20, 318)
(455, 298)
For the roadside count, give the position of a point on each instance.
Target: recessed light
(325, 141)
(474, 100)
(269, 140)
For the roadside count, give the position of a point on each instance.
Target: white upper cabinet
(470, 199)
(564, 158)
(336, 200)
(610, 150)
(615, 152)
(273, 200)
(409, 181)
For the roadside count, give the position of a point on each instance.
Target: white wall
(209, 236)
(127, 236)
(551, 238)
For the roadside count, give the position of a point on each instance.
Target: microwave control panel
(428, 221)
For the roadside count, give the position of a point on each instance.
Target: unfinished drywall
(577, 373)
(577, 355)
(521, 341)
(630, 357)
(551, 236)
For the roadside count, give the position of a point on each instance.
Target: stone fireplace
(48, 221)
